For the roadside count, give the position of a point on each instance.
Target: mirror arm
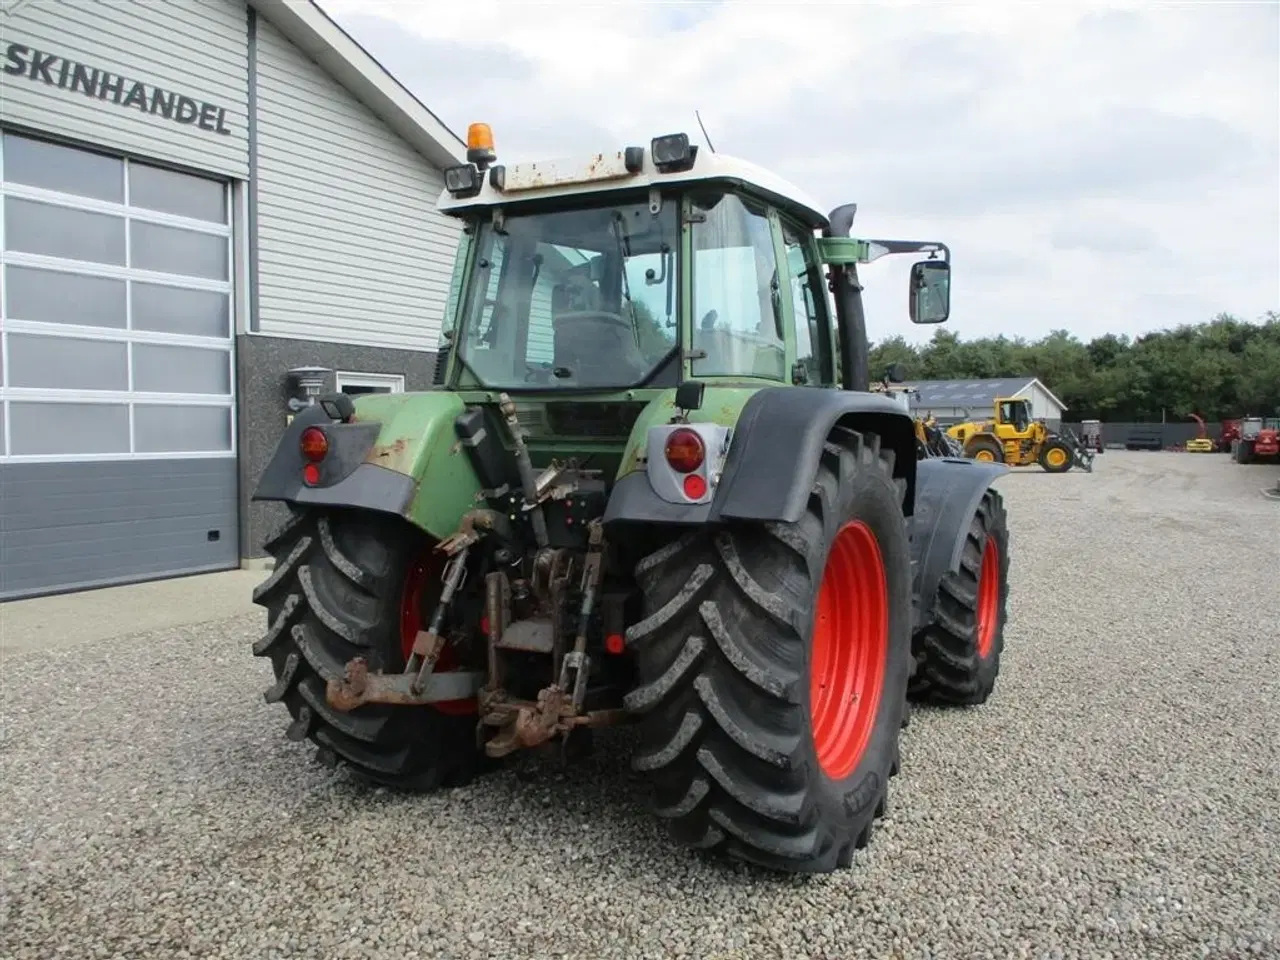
(881, 248)
(842, 254)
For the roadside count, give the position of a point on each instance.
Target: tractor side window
(808, 307)
(491, 316)
(737, 304)
(449, 322)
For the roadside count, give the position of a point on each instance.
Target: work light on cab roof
(670, 159)
(670, 153)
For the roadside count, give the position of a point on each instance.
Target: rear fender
(635, 496)
(948, 492)
(775, 445)
(379, 460)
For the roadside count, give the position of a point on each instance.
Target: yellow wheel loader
(1012, 437)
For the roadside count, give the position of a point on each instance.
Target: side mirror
(895, 373)
(930, 293)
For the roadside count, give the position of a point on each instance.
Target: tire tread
(949, 671)
(730, 608)
(334, 593)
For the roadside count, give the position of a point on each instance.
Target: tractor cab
(1015, 414)
(639, 270)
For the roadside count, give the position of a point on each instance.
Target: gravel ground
(1118, 797)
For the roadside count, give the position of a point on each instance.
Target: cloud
(476, 76)
(1108, 239)
(1094, 166)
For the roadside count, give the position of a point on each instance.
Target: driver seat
(595, 352)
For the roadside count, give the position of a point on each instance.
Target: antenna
(704, 132)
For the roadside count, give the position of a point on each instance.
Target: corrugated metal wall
(350, 246)
(165, 80)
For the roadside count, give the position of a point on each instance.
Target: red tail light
(314, 444)
(685, 450)
(695, 488)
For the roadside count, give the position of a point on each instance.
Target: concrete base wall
(263, 407)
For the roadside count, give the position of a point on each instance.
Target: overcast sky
(1096, 167)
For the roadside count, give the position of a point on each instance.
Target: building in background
(198, 197)
(954, 401)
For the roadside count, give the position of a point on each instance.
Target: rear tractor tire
(985, 448)
(773, 662)
(958, 655)
(351, 583)
(1056, 456)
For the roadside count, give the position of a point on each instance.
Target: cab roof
(604, 173)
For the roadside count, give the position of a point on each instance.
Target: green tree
(1224, 367)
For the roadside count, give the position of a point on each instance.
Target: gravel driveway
(1118, 797)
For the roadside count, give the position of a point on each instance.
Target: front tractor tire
(773, 662)
(1056, 456)
(958, 654)
(350, 583)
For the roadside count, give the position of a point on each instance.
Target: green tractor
(650, 485)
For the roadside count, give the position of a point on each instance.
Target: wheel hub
(850, 645)
(988, 598)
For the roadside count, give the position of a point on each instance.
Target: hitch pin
(428, 644)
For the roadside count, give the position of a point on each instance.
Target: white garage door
(117, 381)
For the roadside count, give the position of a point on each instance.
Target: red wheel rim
(988, 597)
(422, 586)
(849, 649)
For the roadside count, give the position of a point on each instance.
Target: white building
(198, 196)
(954, 401)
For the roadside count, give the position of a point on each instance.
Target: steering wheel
(538, 372)
(631, 355)
(578, 316)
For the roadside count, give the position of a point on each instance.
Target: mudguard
(377, 461)
(345, 479)
(773, 457)
(948, 491)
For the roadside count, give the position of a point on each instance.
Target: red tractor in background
(1230, 434)
(1259, 440)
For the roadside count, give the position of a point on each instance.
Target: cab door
(805, 309)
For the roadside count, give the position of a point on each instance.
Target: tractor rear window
(572, 299)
